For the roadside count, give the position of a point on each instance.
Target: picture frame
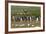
(21, 4)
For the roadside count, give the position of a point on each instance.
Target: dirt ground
(25, 24)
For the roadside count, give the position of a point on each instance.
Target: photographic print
(25, 17)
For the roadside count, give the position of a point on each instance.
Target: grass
(32, 11)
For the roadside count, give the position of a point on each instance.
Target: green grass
(31, 10)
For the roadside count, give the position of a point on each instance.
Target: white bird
(21, 19)
(28, 24)
(30, 18)
(21, 25)
(37, 20)
(32, 25)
